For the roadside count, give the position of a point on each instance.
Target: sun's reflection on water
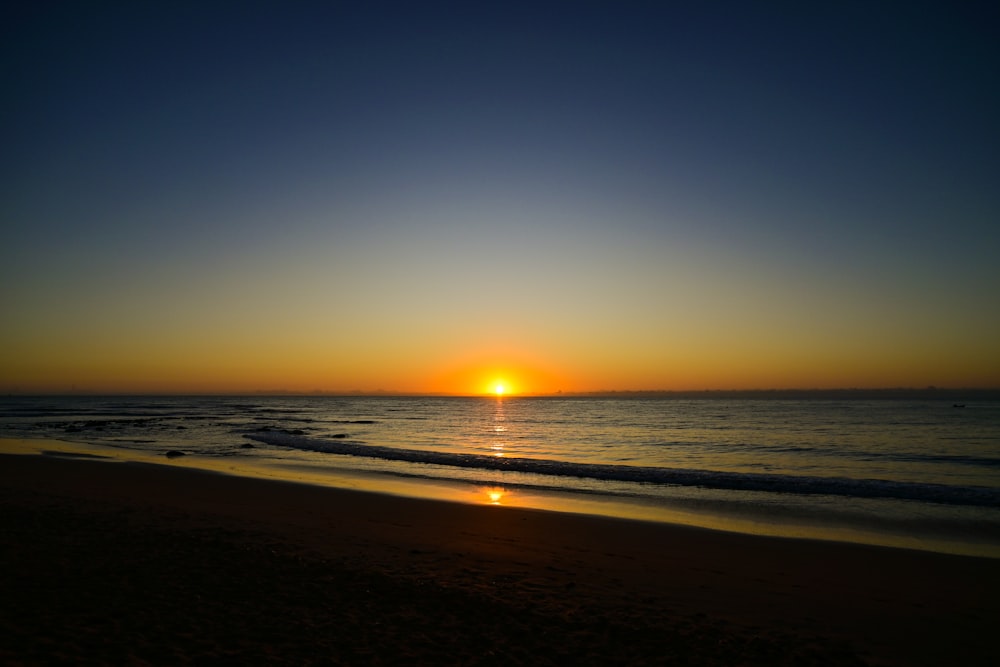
(499, 443)
(499, 439)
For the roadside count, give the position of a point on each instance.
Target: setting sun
(496, 375)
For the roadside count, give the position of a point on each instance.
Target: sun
(499, 389)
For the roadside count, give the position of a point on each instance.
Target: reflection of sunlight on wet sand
(494, 495)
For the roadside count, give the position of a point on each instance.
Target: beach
(128, 563)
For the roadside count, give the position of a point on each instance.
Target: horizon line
(930, 389)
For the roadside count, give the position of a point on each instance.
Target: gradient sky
(430, 197)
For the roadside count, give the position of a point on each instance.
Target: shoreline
(705, 510)
(833, 603)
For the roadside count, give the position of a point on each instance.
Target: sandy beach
(121, 563)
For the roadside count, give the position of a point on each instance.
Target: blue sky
(602, 195)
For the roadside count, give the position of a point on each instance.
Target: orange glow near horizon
(70, 362)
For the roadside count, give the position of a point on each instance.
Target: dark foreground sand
(117, 563)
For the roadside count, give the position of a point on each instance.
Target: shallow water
(918, 473)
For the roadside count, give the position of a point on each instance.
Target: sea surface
(902, 472)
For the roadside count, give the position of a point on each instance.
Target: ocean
(904, 472)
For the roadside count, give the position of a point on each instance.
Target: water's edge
(714, 513)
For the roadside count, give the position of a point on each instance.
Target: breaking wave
(833, 486)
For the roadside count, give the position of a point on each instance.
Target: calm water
(917, 473)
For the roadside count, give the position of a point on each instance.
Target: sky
(557, 196)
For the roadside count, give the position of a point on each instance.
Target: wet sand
(122, 563)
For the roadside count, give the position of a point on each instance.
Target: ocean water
(913, 473)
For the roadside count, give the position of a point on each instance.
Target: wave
(732, 481)
(979, 461)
